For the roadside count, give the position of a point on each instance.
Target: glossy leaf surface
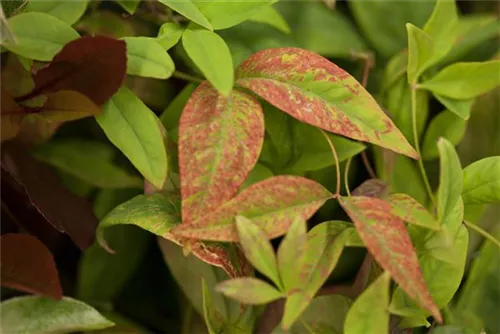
(317, 92)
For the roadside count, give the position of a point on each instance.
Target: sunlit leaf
(249, 290)
(317, 92)
(147, 58)
(291, 254)
(46, 316)
(450, 178)
(369, 310)
(169, 34)
(69, 12)
(188, 9)
(27, 265)
(447, 125)
(482, 181)
(273, 204)
(219, 143)
(137, 132)
(388, 241)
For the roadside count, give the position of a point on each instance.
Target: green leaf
(41, 315)
(223, 14)
(461, 108)
(78, 158)
(320, 94)
(258, 173)
(137, 132)
(211, 55)
(214, 324)
(270, 16)
(129, 5)
(393, 251)
(258, 250)
(209, 127)
(171, 115)
(154, 213)
(411, 211)
(421, 52)
(447, 125)
(291, 254)
(279, 131)
(395, 70)
(249, 290)
(442, 27)
(465, 80)
(369, 310)
(273, 204)
(398, 175)
(38, 36)
(481, 183)
(170, 33)
(188, 9)
(450, 178)
(68, 12)
(147, 58)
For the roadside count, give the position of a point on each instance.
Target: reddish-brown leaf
(68, 105)
(92, 65)
(386, 238)
(316, 91)
(371, 188)
(27, 265)
(272, 204)
(11, 116)
(220, 139)
(62, 209)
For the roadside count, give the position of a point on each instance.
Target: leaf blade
(147, 58)
(482, 182)
(249, 290)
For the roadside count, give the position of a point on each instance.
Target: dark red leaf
(94, 66)
(11, 116)
(61, 208)
(27, 265)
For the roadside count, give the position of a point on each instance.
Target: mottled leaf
(46, 316)
(66, 105)
(450, 178)
(137, 132)
(147, 58)
(317, 92)
(154, 213)
(38, 36)
(257, 248)
(80, 158)
(69, 12)
(465, 80)
(12, 116)
(93, 66)
(219, 143)
(482, 181)
(169, 34)
(369, 310)
(388, 241)
(291, 254)
(411, 211)
(27, 265)
(249, 290)
(188, 9)
(211, 55)
(447, 125)
(272, 204)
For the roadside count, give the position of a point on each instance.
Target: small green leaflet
(188, 9)
(447, 125)
(154, 213)
(450, 178)
(129, 5)
(465, 80)
(38, 36)
(147, 58)
(291, 254)
(481, 183)
(420, 52)
(257, 248)
(169, 34)
(369, 310)
(249, 290)
(461, 108)
(137, 132)
(316, 91)
(31, 314)
(211, 55)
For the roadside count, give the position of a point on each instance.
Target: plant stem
(336, 158)
(416, 142)
(346, 176)
(187, 77)
(482, 232)
(368, 166)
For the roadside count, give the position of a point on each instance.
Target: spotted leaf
(220, 139)
(318, 92)
(272, 204)
(411, 211)
(386, 238)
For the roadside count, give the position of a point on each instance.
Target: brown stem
(368, 166)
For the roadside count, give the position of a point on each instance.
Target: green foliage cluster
(200, 155)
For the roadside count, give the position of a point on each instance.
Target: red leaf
(273, 204)
(93, 66)
(61, 208)
(220, 139)
(316, 91)
(27, 265)
(11, 116)
(386, 238)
